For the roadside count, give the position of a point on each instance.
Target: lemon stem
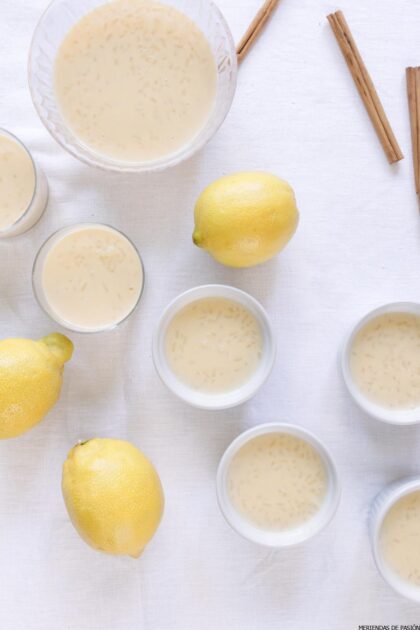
(60, 346)
(197, 239)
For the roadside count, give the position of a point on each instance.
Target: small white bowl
(224, 400)
(286, 538)
(391, 416)
(380, 508)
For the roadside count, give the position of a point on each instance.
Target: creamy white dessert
(23, 188)
(277, 481)
(214, 345)
(135, 80)
(91, 277)
(399, 538)
(385, 360)
(17, 181)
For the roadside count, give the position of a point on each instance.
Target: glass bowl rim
(12, 136)
(67, 326)
(110, 165)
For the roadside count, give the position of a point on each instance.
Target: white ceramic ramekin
(224, 400)
(293, 536)
(392, 416)
(39, 200)
(380, 508)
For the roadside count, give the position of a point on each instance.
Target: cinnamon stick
(255, 28)
(413, 92)
(365, 86)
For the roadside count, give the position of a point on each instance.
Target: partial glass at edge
(38, 290)
(60, 17)
(38, 203)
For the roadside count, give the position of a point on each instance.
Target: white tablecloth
(297, 114)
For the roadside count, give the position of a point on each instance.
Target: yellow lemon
(244, 219)
(31, 375)
(113, 495)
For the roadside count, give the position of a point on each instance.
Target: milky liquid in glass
(17, 181)
(214, 345)
(399, 538)
(92, 277)
(385, 360)
(135, 80)
(277, 481)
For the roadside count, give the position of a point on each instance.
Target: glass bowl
(53, 26)
(37, 279)
(39, 200)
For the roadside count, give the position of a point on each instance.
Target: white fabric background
(297, 114)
